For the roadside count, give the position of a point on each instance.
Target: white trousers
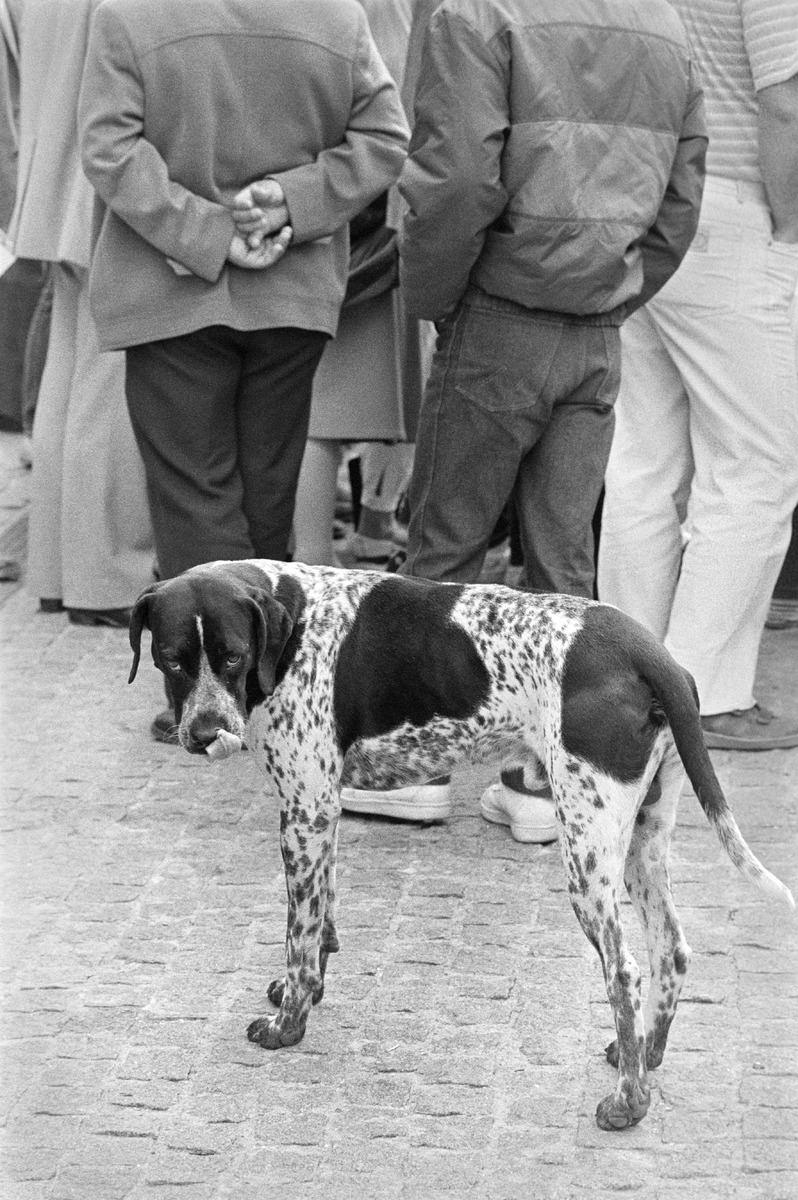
(89, 540)
(703, 475)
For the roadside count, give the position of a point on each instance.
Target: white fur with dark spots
(381, 682)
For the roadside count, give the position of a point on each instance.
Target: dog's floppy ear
(139, 619)
(276, 617)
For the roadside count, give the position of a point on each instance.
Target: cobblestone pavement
(459, 1049)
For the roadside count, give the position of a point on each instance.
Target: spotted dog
(378, 681)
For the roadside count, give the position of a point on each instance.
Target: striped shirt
(740, 47)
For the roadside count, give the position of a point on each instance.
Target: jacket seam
(643, 34)
(235, 33)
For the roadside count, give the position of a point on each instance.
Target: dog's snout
(202, 732)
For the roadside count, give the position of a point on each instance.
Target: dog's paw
(275, 992)
(267, 1032)
(616, 1112)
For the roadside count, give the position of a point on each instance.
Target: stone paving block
(771, 1153)
(771, 1091)
(76, 1182)
(777, 1185)
(276, 1169)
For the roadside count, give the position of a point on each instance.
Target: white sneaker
(421, 802)
(531, 818)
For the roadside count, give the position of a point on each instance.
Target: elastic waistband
(741, 189)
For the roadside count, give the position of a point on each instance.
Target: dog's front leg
(309, 850)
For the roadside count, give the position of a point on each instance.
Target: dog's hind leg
(596, 814)
(648, 883)
(329, 932)
(308, 841)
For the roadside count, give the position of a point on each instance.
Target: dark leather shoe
(164, 728)
(115, 618)
(754, 728)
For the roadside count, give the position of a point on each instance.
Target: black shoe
(51, 606)
(164, 728)
(115, 618)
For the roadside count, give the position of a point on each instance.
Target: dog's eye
(172, 665)
(233, 660)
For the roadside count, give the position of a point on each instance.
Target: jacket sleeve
(126, 170)
(452, 181)
(325, 194)
(668, 240)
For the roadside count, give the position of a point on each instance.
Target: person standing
(231, 144)
(89, 540)
(703, 475)
(364, 375)
(553, 185)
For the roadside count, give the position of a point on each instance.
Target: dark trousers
(221, 419)
(20, 289)
(36, 346)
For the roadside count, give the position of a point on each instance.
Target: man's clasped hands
(262, 233)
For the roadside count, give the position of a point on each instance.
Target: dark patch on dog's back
(610, 716)
(405, 660)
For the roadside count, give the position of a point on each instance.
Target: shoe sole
(725, 741)
(541, 834)
(429, 807)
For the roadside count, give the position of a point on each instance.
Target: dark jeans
(221, 419)
(20, 291)
(518, 403)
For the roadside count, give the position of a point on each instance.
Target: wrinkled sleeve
(452, 181)
(668, 240)
(127, 172)
(325, 194)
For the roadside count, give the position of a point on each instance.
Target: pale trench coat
(89, 537)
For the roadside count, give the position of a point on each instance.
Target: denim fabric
(518, 402)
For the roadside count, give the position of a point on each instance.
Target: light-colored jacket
(185, 103)
(52, 217)
(557, 155)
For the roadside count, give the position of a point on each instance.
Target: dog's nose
(202, 732)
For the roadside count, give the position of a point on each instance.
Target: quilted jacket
(557, 156)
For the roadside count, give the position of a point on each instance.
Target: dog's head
(222, 635)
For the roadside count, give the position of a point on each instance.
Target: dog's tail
(676, 692)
